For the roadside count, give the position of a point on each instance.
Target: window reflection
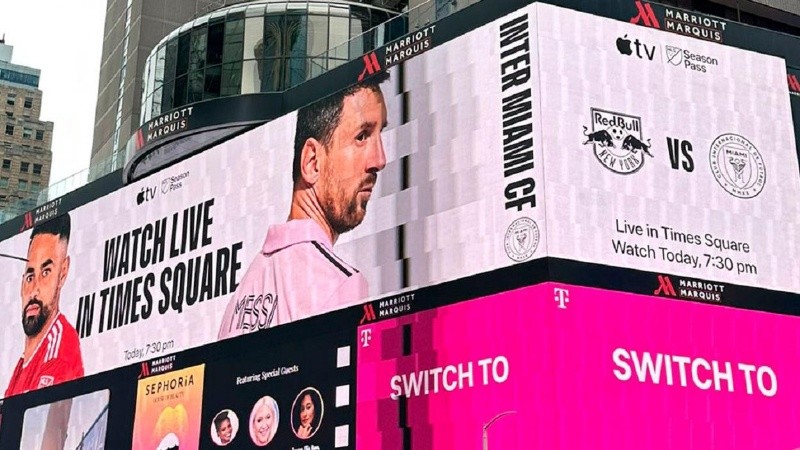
(318, 34)
(180, 91)
(231, 78)
(159, 72)
(213, 82)
(273, 32)
(272, 77)
(216, 32)
(196, 85)
(156, 101)
(170, 60)
(183, 54)
(234, 36)
(166, 97)
(259, 47)
(254, 38)
(251, 76)
(197, 57)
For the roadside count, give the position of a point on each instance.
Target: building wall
(119, 103)
(267, 47)
(24, 144)
(145, 23)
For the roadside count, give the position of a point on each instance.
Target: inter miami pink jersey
(295, 276)
(55, 360)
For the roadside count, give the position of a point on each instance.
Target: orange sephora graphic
(168, 410)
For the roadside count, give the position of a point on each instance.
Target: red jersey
(55, 360)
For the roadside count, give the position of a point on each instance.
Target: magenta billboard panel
(572, 367)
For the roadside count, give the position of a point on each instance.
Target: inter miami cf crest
(737, 165)
(522, 238)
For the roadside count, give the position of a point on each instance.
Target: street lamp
(488, 424)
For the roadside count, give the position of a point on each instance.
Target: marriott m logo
(665, 287)
(27, 221)
(794, 84)
(369, 314)
(145, 372)
(371, 66)
(645, 15)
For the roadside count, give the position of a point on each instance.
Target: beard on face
(33, 325)
(343, 210)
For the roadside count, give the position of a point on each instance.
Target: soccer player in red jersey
(52, 351)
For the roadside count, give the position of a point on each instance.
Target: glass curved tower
(259, 46)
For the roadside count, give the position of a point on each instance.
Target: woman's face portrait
(225, 431)
(306, 411)
(262, 425)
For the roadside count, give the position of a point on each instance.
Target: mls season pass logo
(617, 141)
(689, 60)
(678, 57)
(737, 165)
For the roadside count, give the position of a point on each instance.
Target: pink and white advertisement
(558, 366)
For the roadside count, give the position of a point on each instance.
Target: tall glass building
(259, 46)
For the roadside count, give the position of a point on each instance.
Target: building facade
(134, 28)
(25, 155)
(259, 46)
(155, 32)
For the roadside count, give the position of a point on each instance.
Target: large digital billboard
(376, 190)
(647, 150)
(73, 423)
(667, 154)
(562, 366)
(299, 394)
(168, 408)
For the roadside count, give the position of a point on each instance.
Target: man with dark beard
(337, 156)
(52, 351)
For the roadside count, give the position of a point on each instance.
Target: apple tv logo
(643, 51)
(145, 195)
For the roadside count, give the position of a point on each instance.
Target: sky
(64, 40)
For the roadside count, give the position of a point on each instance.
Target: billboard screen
(354, 197)
(168, 408)
(299, 394)
(667, 153)
(439, 172)
(73, 423)
(571, 367)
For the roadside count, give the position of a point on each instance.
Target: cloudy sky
(63, 40)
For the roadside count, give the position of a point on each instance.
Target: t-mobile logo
(366, 336)
(561, 296)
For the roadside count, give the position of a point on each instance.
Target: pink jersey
(295, 276)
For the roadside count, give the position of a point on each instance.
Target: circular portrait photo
(224, 427)
(307, 413)
(264, 421)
